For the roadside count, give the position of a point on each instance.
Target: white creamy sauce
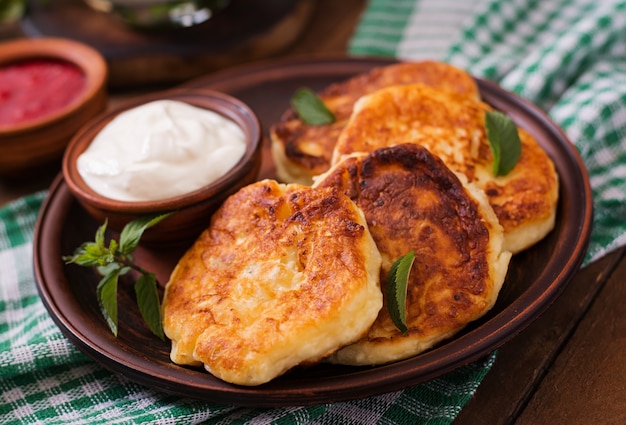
(160, 150)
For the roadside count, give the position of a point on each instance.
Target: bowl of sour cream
(181, 151)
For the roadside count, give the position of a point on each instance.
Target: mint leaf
(93, 254)
(132, 232)
(99, 240)
(105, 270)
(87, 255)
(90, 254)
(397, 284)
(310, 108)
(107, 298)
(504, 140)
(117, 260)
(148, 302)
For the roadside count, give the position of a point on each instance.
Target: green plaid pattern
(567, 56)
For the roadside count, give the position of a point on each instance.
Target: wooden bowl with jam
(49, 87)
(120, 192)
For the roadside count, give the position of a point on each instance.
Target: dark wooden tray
(536, 277)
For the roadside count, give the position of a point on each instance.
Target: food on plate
(453, 127)
(290, 274)
(160, 150)
(284, 275)
(412, 201)
(301, 151)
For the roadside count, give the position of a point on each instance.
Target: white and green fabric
(567, 56)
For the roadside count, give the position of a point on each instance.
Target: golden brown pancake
(284, 275)
(453, 128)
(412, 201)
(302, 151)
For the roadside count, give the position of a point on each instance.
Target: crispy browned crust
(265, 286)
(412, 201)
(305, 151)
(453, 128)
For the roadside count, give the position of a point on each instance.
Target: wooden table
(568, 367)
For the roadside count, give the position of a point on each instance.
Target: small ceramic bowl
(193, 210)
(41, 139)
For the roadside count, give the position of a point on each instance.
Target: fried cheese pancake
(453, 128)
(284, 275)
(412, 201)
(302, 151)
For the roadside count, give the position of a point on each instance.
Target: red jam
(35, 89)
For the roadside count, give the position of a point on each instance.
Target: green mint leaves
(148, 302)
(504, 140)
(310, 108)
(107, 296)
(397, 283)
(115, 260)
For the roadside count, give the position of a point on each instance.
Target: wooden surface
(568, 367)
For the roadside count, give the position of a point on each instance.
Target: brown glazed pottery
(192, 210)
(40, 141)
(536, 277)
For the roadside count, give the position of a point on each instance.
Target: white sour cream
(160, 150)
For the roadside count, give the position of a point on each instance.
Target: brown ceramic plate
(535, 279)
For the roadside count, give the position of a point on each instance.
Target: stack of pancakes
(294, 273)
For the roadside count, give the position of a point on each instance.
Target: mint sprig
(397, 284)
(504, 140)
(116, 260)
(310, 108)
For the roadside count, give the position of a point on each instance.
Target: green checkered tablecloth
(567, 56)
